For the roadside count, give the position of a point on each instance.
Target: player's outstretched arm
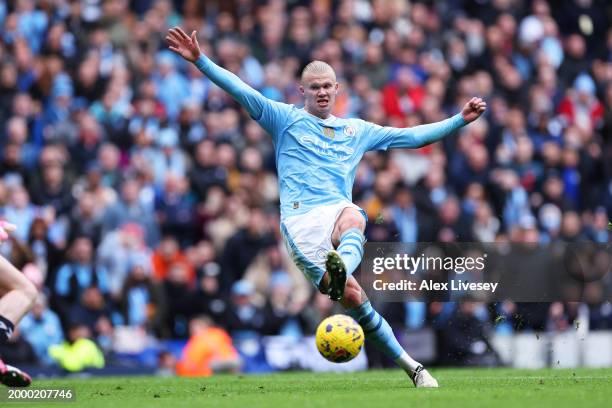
(432, 132)
(189, 48)
(473, 109)
(423, 135)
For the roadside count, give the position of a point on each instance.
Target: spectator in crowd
(280, 309)
(119, 251)
(167, 254)
(167, 157)
(244, 318)
(108, 160)
(130, 208)
(600, 311)
(91, 182)
(47, 256)
(20, 210)
(42, 329)
(77, 275)
(85, 220)
(272, 262)
(209, 350)
(405, 213)
(94, 311)
(453, 225)
(598, 231)
(208, 294)
(87, 145)
(78, 352)
(205, 171)
(175, 209)
(142, 301)
(11, 165)
(179, 292)
(172, 85)
(17, 133)
(465, 341)
(242, 248)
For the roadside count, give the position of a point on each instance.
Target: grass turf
(390, 388)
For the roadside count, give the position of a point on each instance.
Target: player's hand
(179, 42)
(5, 229)
(473, 109)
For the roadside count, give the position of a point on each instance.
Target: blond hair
(318, 68)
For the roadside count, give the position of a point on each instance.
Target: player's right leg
(17, 296)
(348, 239)
(378, 332)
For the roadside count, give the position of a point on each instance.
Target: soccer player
(317, 156)
(17, 296)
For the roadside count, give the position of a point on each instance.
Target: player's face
(319, 94)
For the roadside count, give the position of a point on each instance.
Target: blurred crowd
(146, 197)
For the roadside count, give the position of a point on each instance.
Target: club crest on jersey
(349, 131)
(328, 132)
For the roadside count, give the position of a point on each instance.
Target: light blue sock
(378, 332)
(351, 249)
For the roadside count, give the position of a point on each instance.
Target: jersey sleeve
(268, 113)
(274, 117)
(385, 137)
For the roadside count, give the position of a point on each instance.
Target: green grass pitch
(390, 388)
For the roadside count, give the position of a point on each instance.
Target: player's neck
(319, 115)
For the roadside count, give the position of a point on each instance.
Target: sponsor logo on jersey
(331, 150)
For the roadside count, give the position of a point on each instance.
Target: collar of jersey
(326, 121)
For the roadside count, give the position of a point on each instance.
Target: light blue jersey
(317, 158)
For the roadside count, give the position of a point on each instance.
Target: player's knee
(352, 220)
(28, 290)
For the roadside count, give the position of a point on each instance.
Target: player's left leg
(378, 332)
(347, 238)
(12, 376)
(300, 235)
(17, 296)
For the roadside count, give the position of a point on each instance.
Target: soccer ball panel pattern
(339, 338)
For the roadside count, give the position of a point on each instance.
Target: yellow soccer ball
(339, 338)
